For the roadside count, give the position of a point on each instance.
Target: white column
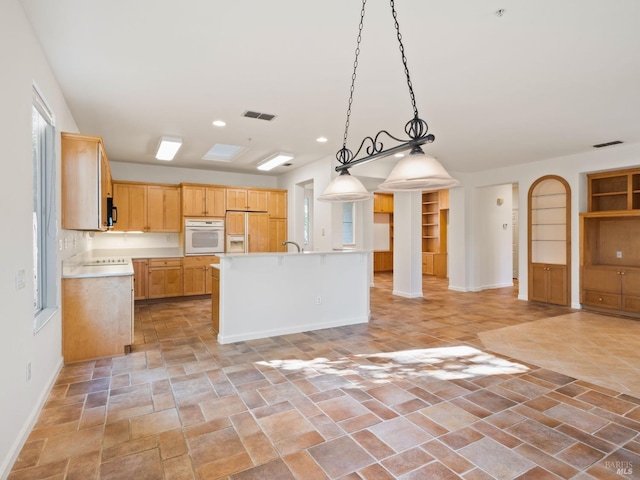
(407, 244)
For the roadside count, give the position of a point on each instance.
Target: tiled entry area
(412, 395)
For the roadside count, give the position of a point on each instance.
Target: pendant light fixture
(416, 171)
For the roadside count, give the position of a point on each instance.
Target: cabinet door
(215, 202)
(171, 199)
(601, 280)
(257, 200)
(557, 281)
(277, 204)
(194, 280)
(258, 224)
(630, 281)
(236, 199)
(131, 202)
(427, 264)
(140, 274)
(235, 223)
(540, 286)
(163, 209)
(193, 200)
(165, 282)
(277, 234)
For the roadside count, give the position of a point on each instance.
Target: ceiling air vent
(260, 116)
(608, 144)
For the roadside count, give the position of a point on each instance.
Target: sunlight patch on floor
(444, 363)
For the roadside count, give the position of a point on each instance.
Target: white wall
(465, 244)
(23, 64)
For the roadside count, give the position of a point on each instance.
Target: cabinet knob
(599, 299)
(621, 273)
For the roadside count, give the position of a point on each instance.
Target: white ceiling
(548, 78)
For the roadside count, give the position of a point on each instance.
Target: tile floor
(412, 395)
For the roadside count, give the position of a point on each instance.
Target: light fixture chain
(353, 76)
(404, 60)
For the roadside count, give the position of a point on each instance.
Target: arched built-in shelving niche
(550, 240)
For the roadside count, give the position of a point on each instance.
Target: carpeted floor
(600, 349)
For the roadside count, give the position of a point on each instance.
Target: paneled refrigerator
(247, 232)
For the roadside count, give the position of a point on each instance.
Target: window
(44, 213)
(307, 221)
(348, 230)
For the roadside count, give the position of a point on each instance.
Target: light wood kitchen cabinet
(131, 201)
(235, 223)
(196, 273)
(140, 274)
(258, 224)
(97, 317)
(246, 199)
(277, 234)
(147, 207)
(435, 208)
(382, 261)
(163, 208)
(614, 191)
(382, 203)
(203, 201)
(277, 201)
(86, 182)
(165, 277)
(611, 287)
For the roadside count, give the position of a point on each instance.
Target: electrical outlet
(318, 300)
(618, 254)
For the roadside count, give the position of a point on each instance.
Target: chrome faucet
(293, 243)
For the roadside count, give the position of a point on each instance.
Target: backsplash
(134, 240)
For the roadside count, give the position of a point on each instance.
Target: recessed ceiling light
(321, 139)
(274, 160)
(219, 123)
(168, 148)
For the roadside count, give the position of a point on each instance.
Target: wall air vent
(608, 144)
(260, 116)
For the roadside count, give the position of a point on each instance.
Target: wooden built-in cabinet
(383, 220)
(196, 273)
(609, 246)
(247, 199)
(435, 208)
(258, 235)
(86, 182)
(147, 207)
(549, 236)
(165, 277)
(277, 202)
(203, 200)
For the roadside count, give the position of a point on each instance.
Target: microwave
(203, 237)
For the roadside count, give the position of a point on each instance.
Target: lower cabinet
(382, 261)
(196, 274)
(611, 287)
(165, 277)
(140, 274)
(549, 283)
(97, 317)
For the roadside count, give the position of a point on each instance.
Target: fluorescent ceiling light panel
(274, 161)
(222, 153)
(168, 148)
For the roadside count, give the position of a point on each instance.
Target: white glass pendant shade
(345, 188)
(418, 171)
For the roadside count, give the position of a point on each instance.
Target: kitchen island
(267, 294)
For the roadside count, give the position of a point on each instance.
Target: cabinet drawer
(165, 262)
(200, 260)
(601, 299)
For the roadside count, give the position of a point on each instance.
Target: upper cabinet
(86, 182)
(614, 191)
(247, 199)
(382, 203)
(277, 201)
(147, 207)
(203, 201)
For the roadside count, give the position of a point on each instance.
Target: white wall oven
(203, 237)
